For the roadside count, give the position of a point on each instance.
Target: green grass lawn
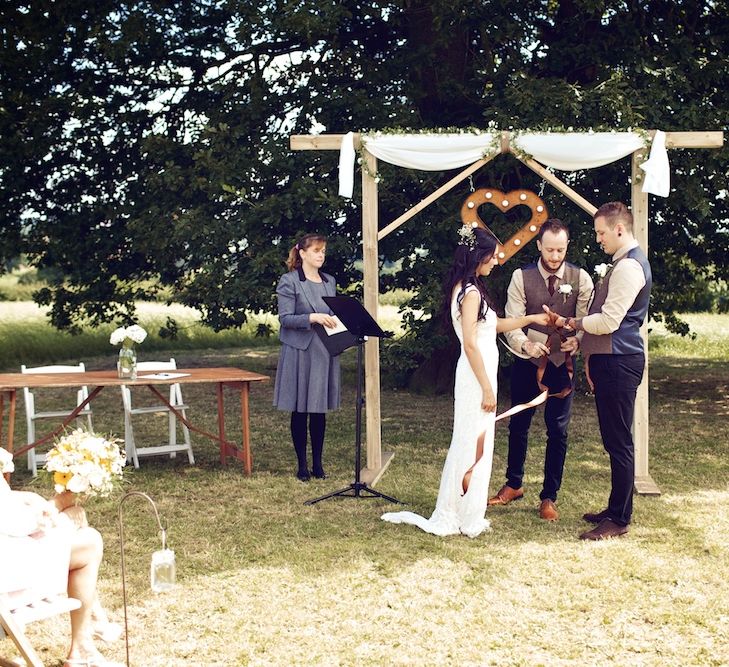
(265, 580)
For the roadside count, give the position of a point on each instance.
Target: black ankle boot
(303, 476)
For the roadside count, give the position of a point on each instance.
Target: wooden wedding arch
(377, 460)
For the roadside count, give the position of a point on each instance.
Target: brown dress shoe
(548, 510)
(605, 529)
(506, 495)
(596, 517)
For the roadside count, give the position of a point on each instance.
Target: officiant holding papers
(308, 375)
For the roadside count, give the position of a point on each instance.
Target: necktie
(551, 280)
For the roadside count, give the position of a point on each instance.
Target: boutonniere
(601, 271)
(565, 290)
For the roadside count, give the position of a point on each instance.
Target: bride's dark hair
(466, 261)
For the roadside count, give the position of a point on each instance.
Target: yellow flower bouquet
(85, 463)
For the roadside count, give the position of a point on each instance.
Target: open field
(265, 580)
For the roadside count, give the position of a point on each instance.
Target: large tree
(144, 145)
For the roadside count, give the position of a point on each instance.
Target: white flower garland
(495, 143)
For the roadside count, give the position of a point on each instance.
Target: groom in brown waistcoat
(566, 289)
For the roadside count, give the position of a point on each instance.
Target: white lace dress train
(456, 512)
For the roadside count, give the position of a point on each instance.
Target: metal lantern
(162, 569)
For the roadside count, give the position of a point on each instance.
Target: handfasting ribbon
(569, 365)
(536, 401)
(521, 355)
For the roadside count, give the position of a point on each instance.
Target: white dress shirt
(626, 281)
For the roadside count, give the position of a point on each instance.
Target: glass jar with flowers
(126, 366)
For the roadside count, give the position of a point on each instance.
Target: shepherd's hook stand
(358, 487)
(121, 541)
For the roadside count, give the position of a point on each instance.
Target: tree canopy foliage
(144, 145)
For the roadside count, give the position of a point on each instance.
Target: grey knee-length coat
(307, 377)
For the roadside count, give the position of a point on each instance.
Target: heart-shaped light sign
(505, 201)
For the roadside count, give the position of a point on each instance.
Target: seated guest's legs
(86, 553)
(87, 550)
(103, 628)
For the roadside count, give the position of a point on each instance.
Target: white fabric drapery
(656, 168)
(565, 151)
(346, 165)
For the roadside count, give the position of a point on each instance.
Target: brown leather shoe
(548, 510)
(596, 517)
(605, 529)
(506, 495)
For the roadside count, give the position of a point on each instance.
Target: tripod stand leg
(357, 487)
(377, 494)
(354, 491)
(341, 492)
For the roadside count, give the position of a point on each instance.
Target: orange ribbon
(537, 400)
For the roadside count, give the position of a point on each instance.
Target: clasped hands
(569, 345)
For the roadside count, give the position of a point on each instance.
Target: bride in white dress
(463, 493)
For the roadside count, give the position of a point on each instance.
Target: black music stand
(361, 324)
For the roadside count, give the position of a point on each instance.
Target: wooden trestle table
(234, 378)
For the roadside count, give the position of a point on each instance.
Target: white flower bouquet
(6, 461)
(85, 463)
(128, 336)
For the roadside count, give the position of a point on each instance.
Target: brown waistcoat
(537, 294)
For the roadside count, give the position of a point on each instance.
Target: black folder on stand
(360, 325)
(335, 343)
(352, 315)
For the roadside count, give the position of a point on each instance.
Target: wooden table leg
(221, 425)
(11, 421)
(2, 415)
(12, 394)
(246, 428)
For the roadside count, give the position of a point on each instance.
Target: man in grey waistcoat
(614, 354)
(566, 289)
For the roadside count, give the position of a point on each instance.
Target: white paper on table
(339, 328)
(162, 376)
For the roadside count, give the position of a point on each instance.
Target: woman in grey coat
(307, 378)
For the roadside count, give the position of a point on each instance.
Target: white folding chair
(31, 414)
(175, 400)
(33, 584)
(14, 617)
